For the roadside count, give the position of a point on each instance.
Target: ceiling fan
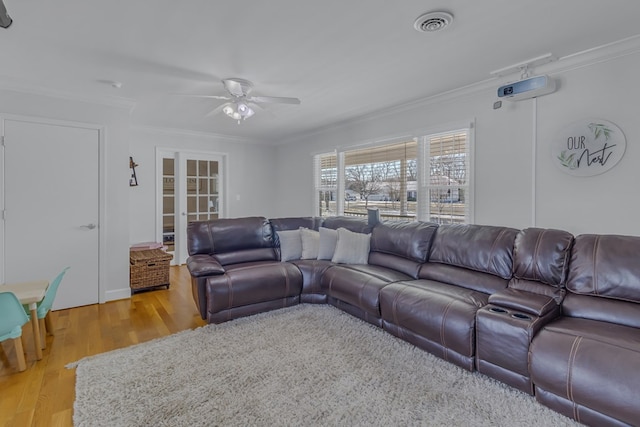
(240, 105)
(5, 19)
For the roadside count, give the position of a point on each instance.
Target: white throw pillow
(351, 248)
(290, 245)
(327, 244)
(310, 243)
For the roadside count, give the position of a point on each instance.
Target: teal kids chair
(12, 318)
(44, 308)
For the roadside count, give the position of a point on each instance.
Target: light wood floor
(43, 395)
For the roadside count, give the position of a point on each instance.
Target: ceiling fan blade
(262, 109)
(256, 106)
(274, 100)
(216, 110)
(225, 98)
(234, 87)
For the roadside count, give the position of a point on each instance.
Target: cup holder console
(500, 310)
(521, 316)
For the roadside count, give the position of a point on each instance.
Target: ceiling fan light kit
(238, 111)
(239, 102)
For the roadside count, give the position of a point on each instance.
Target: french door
(190, 189)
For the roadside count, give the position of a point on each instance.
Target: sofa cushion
(478, 257)
(462, 277)
(351, 248)
(593, 364)
(359, 285)
(356, 225)
(402, 246)
(228, 235)
(290, 244)
(327, 243)
(232, 240)
(442, 315)
(542, 255)
(247, 255)
(410, 240)
(251, 284)
(605, 266)
(387, 274)
(310, 243)
(312, 270)
(602, 309)
(293, 223)
(393, 262)
(482, 248)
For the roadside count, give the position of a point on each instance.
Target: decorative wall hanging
(133, 179)
(588, 147)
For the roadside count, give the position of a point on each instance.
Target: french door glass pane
(202, 189)
(204, 185)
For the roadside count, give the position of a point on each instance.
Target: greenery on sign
(600, 129)
(568, 161)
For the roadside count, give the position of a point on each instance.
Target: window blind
(325, 178)
(382, 177)
(445, 196)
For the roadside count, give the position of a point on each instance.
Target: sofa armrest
(204, 265)
(527, 302)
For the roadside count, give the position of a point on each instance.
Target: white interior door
(191, 190)
(51, 207)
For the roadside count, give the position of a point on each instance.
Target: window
(326, 184)
(427, 178)
(446, 191)
(382, 177)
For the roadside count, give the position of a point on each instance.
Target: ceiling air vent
(433, 21)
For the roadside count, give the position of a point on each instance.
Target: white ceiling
(342, 58)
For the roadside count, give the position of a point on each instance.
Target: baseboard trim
(117, 294)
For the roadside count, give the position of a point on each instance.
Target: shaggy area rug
(304, 365)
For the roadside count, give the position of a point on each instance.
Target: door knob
(89, 226)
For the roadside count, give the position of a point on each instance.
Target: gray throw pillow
(310, 243)
(290, 245)
(327, 244)
(351, 248)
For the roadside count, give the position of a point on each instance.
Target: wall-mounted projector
(527, 88)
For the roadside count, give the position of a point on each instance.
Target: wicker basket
(149, 269)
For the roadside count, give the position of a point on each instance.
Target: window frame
(426, 186)
(423, 184)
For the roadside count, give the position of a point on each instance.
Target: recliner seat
(437, 313)
(236, 271)
(397, 252)
(586, 364)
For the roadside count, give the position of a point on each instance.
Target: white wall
(114, 273)
(606, 203)
(505, 191)
(250, 175)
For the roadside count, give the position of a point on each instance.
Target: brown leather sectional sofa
(547, 313)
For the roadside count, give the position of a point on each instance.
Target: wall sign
(588, 147)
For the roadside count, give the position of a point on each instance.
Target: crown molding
(599, 54)
(596, 55)
(109, 101)
(192, 133)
